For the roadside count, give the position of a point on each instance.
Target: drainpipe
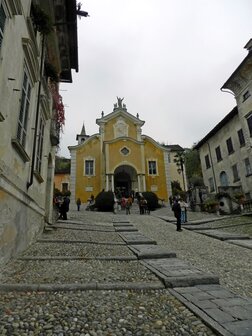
(215, 184)
(30, 182)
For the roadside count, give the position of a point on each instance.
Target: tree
(62, 165)
(179, 159)
(193, 167)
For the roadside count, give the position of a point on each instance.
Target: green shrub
(211, 205)
(152, 200)
(104, 201)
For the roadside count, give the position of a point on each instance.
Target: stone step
(151, 252)
(136, 238)
(177, 273)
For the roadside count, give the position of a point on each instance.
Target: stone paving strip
(125, 229)
(228, 313)
(244, 243)
(222, 235)
(178, 273)
(136, 238)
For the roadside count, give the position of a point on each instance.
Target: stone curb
(81, 287)
(65, 241)
(115, 258)
(82, 229)
(207, 320)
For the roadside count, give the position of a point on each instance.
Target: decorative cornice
(241, 76)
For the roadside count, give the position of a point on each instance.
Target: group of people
(62, 206)
(123, 203)
(179, 207)
(126, 203)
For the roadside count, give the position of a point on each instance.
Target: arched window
(223, 179)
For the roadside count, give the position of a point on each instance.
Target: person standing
(128, 205)
(78, 202)
(177, 213)
(183, 206)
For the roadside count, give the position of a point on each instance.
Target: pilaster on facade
(73, 178)
(167, 173)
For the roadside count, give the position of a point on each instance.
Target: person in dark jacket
(177, 213)
(64, 208)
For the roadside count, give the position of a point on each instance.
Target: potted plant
(211, 205)
(240, 197)
(41, 20)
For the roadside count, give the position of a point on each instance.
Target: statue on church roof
(119, 100)
(102, 114)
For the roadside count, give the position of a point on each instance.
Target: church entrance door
(123, 179)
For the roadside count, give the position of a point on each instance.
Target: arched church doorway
(125, 179)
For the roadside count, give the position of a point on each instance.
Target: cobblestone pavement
(233, 264)
(76, 254)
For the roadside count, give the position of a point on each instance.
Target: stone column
(144, 182)
(112, 182)
(107, 182)
(139, 182)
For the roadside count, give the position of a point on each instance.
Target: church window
(89, 167)
(152, 167)
(2, 23)
(125, 151)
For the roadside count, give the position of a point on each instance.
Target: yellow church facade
(119, 157)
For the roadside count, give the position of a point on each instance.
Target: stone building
(37, 50)
(119, 157)
(225, 152)
(62, 174)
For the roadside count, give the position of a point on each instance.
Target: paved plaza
(105, 274)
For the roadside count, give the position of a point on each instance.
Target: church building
(119, 157)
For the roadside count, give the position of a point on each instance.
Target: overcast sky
(167, 58)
